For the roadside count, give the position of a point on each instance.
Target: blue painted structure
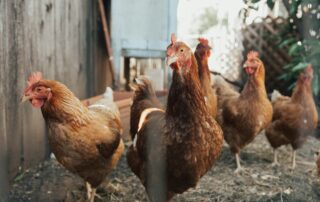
(141, 29)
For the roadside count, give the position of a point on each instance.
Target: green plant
(300, 37)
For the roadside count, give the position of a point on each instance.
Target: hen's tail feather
(275, 95)
(107, 103)
(144, 97)
(223, 88)
(220, 82)
(108, 94)
(143, 86)
(235, 83)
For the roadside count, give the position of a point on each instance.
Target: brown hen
(243, 116)
(293, 118)
(86, 141)
(174, 148)
(202, 54)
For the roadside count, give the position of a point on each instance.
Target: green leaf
(254, 7)
(270, 4)
(299, 66)
(19, 177)
(288, 66)
(312, 42)
(283, 77)
(254, 1)
(294, 7)
(292, 86)
(315, 53)
(294, 49)
(287, 42)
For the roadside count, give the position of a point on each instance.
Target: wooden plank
(12, 61)
(144, 44)
(3, 134)
(107, 40)
(99, 53)
(139, 53)
(36, 57)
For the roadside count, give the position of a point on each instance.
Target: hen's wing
(224, 91)
(109, 142)
(276, 96)
(146, 157)
(145, 97)
(286, 116)
(285, 110)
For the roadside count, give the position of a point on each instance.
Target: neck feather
(204, 74)
(64, 107)
(185, 99)
(301, 92)
(255, 84)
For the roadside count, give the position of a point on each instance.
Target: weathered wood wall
(60, 38)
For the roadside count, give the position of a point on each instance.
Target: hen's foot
(275, 164)
(238, 170)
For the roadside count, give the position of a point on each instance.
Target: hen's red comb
(34, 78)
(252, 55)
(173, 38)
(204, 41)
(309, 69)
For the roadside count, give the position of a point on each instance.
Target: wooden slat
(107, 38)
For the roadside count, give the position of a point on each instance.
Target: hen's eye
(38, 89)
(181, 50)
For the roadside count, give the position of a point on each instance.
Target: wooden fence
(62, 39)
(259, 36)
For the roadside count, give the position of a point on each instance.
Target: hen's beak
(25, 98)
(171, 59)
(245, 65)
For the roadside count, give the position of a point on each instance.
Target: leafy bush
(300, 37)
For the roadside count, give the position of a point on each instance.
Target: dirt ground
(259, 181)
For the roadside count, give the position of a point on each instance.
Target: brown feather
(144, 97)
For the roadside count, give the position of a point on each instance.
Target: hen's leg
(293, 159)
(89, 190)
(275, 158)
(93, 194)
(238, 164)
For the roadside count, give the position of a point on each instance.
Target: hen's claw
(275, 164)
(89, 190)
(275, 158)
(293, 166)
(238, 170)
